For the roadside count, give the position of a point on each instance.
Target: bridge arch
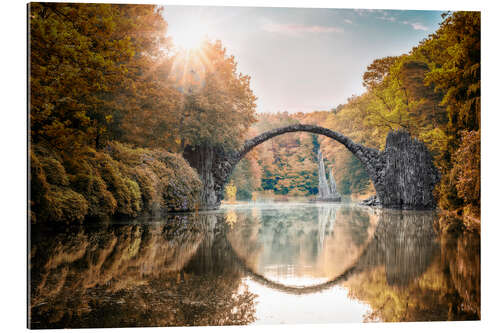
(369, 157)
(403, 174)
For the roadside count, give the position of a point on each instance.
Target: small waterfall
(323, 188)
(327, 190)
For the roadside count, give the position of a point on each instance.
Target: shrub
(55, 201)
(64, 205)
(183, 184)
(148, 183)
(118, 185)
(119, 181)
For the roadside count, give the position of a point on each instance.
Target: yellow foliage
(231, 192)
(231, 218)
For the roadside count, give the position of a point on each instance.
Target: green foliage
(64, 204)
(124, 189)
(51, 167)
(183, 185)
(355, 179)
(88, 180)
(398, 98)
(247, 177)
(454, 55)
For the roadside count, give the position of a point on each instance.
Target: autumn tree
(218, 105)
(96, 69)
(247, 175)
(454, 57)
(454, 54)
(398, 98)
(466, 171)
(230, 192)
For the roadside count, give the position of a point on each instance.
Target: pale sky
(304, 59)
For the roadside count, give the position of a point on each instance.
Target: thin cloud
(348, 21)
(299, 29)
(416, 25)
(387, 18)
(419, 26)
(362, 12)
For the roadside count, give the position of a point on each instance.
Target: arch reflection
(359, 240)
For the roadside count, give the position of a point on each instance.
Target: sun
(190, 37)
(191, 62)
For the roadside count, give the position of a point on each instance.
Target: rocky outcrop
(371, 201)
(403, 174)
(214, 166)
(407, 177)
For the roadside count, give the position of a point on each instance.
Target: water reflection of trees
(184, 271)
(362, 240)
(408, 276)
(404, 244)
(172, 273)
(308, 241)
(403, 268)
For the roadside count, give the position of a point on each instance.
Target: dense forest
(113, 103)
(112, 106)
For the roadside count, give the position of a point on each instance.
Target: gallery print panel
(208, 166)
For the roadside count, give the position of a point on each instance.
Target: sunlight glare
(191, 37)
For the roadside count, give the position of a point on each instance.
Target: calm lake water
(254, 264)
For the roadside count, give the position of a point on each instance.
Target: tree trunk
(202, 158)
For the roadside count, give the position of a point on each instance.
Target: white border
(13, 163)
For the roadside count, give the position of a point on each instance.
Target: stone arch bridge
(403, 174)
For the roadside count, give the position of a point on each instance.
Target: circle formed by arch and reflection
(318, 242)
